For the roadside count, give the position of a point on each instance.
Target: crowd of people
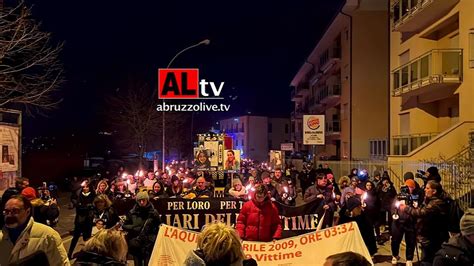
(416, 213)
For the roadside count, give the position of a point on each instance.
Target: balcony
(329, 58)
(436, 70)
(330, 94)
(416, 15)
(294, 96)
(333, 128)
(404, 144)
(302, 89)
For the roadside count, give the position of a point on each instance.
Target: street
(66, 224)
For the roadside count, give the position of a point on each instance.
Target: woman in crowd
(158, 191)
(386, 195)
(176, 188)
(104, 211)
(218, 244)
(237, 190)
(84, 216)
(107, 247)
(371, 206)
(102, 187)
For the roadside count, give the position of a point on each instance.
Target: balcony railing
(329, 92)
(302, 89)
(415, 15)
(333, 127)
(441, 66)
(404, 144)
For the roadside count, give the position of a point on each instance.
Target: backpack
(454, 215)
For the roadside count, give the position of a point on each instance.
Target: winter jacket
(196, 258)
(142, 224)
(35, 237)
(259, 221)
(86, 258)
(313, 191)
(84, 208)
(45, 213)
(432, 219)
(174, 192)
(457, 251)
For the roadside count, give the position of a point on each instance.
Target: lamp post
(205, 42)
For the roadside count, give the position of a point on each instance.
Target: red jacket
(259, 221)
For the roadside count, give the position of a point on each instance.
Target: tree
(30, 70)
(132, 114)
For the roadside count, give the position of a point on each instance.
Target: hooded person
(142, 225)
(259, 219)
(459, 250)
(355, 213)
(432, 173)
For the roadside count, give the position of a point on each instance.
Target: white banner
(173, 245)
(313, 130)
(9, 136)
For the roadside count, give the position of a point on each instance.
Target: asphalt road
(66, 224)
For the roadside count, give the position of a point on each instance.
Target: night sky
(256, 49)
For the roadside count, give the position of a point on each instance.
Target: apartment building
(255, 136)
(432, 78)
(346, 79)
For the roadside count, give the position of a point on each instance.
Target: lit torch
(364, 197)
(395, 216)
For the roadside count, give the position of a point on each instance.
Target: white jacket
(35, 237)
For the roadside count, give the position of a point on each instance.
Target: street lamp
(205, 42)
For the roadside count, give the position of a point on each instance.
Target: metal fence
(457, 174)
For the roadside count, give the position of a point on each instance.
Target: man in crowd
(405, 224)
(20, 184)
(258, 219)
(22, 237)
(201, 190)
(433, 221)
(142, 224)
(150, 180)
(321, 191)
(267, 182)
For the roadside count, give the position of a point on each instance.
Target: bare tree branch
(30, 69)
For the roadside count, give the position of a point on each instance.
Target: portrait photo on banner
(232, 160)
(213, 148)
(276, 159)
(201, 159)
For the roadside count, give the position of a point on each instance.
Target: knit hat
(29, 193)
(376, 173)
(408, 175)
(355, 178)
(142, 195)
(410, 183)
(467, 222)
(352, 203)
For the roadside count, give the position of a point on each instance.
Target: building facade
(255, 136)
(346, 79)
(432, 78)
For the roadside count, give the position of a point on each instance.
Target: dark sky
(256, 49)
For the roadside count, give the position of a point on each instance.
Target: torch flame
(397, 204)
(285, 189)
